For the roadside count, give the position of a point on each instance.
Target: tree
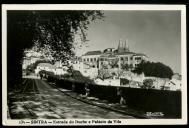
(104, 66)
(54, 30)
(104, 74)
(154, 69)
(147, 84)
(114, 63)
(125, 66)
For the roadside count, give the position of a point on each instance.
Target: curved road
(41, 100)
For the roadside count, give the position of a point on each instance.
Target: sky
(154, 33)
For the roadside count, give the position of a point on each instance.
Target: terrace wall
(148, 100)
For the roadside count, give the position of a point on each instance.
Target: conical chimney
(119, 45)
(125, 46)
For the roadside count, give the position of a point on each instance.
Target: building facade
(91, 59)
(120, 58)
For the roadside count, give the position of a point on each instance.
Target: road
(39, 100)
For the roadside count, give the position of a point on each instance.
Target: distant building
(26, 62)
(45, 66)
(111, 58)
(29, 60)
(56, 69)
(91, 59)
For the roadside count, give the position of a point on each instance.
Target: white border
(182, 8)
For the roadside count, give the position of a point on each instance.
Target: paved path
(41, 100)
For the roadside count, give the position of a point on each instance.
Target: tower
(123, 46)
(120, 46)
(126, 46)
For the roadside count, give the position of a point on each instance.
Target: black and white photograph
(94, 64)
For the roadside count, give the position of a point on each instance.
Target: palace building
(113, 58)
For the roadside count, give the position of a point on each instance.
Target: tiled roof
(104, 55)
(140, 54)
(108, 55)
(128, 53)
(124, 53)
(93, 53)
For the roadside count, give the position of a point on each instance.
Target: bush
(154, 69)
(124, 81)
(147, 84)
(46, 72)
(104, 74)
(125, 66)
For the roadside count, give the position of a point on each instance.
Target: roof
(108, 55)
(139, 54)
(47, 65)
(124, 53)
(104, 55)
(128, 53)
(93, 53)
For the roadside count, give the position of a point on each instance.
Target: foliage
(70, 69)
(76, 76)
(147, 84)
(125, 67)
(131, 66)
(104, 74)
(104, 66)
(65, 75)
(124, 81)
(46, 72)
(114, 63)
(56, 30)
(50, 30)
(154, 69)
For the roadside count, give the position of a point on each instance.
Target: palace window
(88, 59)
(91, 59)
(121, 58)
(94, 59)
